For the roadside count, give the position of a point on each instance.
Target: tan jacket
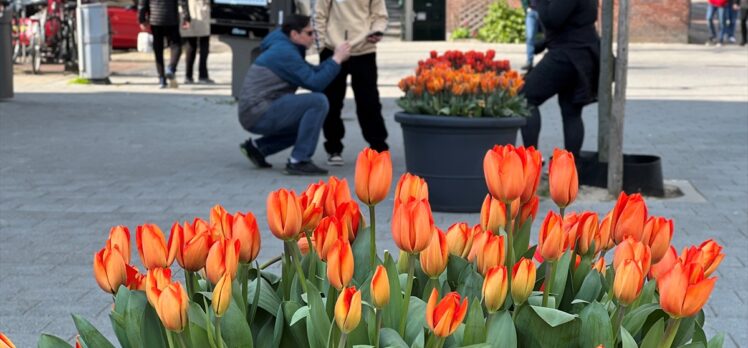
(333, 18)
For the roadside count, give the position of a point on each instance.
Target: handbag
(145, 42)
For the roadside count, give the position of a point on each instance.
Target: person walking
(197, 37)
(269, 105)
(531, 29)
(743, 18)
(719, 8)
(362, 23)
(162, 16)
(569, 69)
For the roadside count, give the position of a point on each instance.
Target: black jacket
(162, 12)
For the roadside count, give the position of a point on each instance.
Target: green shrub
(460, 33)
(503, 24)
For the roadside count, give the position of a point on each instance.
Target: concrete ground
(78, 159)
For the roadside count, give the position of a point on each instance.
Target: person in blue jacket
(269, 105)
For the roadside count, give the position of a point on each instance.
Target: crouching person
(269, 105)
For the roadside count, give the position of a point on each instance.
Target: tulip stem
(343, 338)
(244, 270)
(617, 321)
(219, 337)
(379, 326)
(550, 271)
(312, 258)
(297, 262)
(372, 239)
(509, 245)
(672, 328)
(253, 308)
(516, 309)
(271, 262)
(182, 342)
(561, 210)
(207, 320)
(408, 290)
(170, 338)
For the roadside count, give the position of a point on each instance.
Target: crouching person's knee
(319, 101)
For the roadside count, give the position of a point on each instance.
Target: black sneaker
(335, 160)
(189, 81)
(206, 81)
(304, 168)
(171, 79)
(254, 154)
(162, 83)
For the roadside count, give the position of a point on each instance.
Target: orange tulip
(628, 282)
(312, 203)
(120, 237)
(412, 226)
(532, 162)
(189, 248)
(109, 268)
(434, 257)
(337, 194)
(493, 253)
(684, 290)
(380, 288)
(552, 241)
(340, 264)
(562, 178)
(445, 317)
(523, 280)
(459, 239)
(373, 176)
(631, 249)
(326, 234)
(479, 240)
(587, 230)
(709, 255)
(600, 266)
(247, 232)
(152, 246)
(5, 341)
(495, 288)
(221, 220)
(606, 235)
(284, 215)
(570, 229)
(156, 281)
(628, 217)
(492, 214)
(349, 216)
(529, 210)
(135, 279)
(78, 342)
(665, 264)
(303, 244)
(221, 295)
(411, 187)
(223, 258)
(348, 309)
(658, 232)
(505, 177)
(172, 307)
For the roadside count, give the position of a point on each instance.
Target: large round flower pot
(448, 151)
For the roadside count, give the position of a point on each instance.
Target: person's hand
(342, 52)
(186, 25)
(736, 7)
(374, 38)
(143, 27)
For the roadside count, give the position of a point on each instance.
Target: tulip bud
(156, 281)
(340, 264)
(562, 178)
(709, 255)
(628, 282)
(349, 216)
(303, 244)
(337, 194)
(373, 176)
(312, 203)
(495, 288)
(528, 211)
(5, 341)
(532, 162)
(459, 239)
(247, 232)
(434, 257)
(402, 262)
(684, 290)
(628, 217)
(479, 241)
(348, 309)
(492, 215)
(135, 280)
(152, 246)
(600, 266)
(120, 237)
(493, 254)
(109, 268)
(222, 295)
(587, 230)
(221, 220)
(569, 224)
(658, 231)
(189, 248)
(326, 234)
(606, 233)
(412, 226)
(284, 215)
(523, 280)
(631, 249)
(380, 288)
(552, 242)
(411, 187)
(172, 307)
(504, 173)
(223, 258)
(443, 318)
(664, 265)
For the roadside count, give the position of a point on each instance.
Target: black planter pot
(641, 173)
(448, 151)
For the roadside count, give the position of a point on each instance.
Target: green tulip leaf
(694, 345)
(646, 296)
(685, 331)
(318, 323)
(390, 338)
(268, 300)
(522, 238)
(455, 268)
(362, 254)
(280, 319)
(265, 335)
(717, 341)
(301, 313)
(416, 320)
(562, 273)
(235, 329)
(500, 331)
(634, 320)
(591, 287)
(559, 329)
(89, 335)
(596, 327)
(49, 341)
(393, 310)
(298, 332)
(553, 317)
(626, 340)
(654, 336)
(475, 325)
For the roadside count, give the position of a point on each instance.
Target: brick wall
(650, 20)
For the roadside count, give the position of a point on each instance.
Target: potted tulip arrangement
(589, 282)
(457, 105)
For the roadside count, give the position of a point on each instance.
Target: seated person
(269, 105)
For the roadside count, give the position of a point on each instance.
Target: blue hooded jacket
(280, 69)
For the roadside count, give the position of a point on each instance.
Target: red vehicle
(123, 23)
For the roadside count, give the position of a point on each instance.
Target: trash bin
(93, 36)
(6, 61)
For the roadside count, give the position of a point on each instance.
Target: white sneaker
(335, 160)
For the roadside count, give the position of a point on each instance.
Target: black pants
(743, 19)
(171, 34)
(193, 44)
(554, 75)
(363, 71)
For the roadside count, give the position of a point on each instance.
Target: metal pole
(605, 88)
(6, 54)
(407, 20)
(615, 164)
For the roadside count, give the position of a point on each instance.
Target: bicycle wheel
(36, 49)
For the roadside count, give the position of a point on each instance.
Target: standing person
(269, 106)
(731, 9)
(743, 18)
(717, 7)
(163, 18)
(531, 29)
(197, 36)
(569, 69)
(362, 22)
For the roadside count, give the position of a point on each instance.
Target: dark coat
(162, 12)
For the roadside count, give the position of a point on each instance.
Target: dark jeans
(720, 32)
(292, 120)
(171, 34)
(193, 44)
(554, 75)
(363, 71)
(743, 18)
